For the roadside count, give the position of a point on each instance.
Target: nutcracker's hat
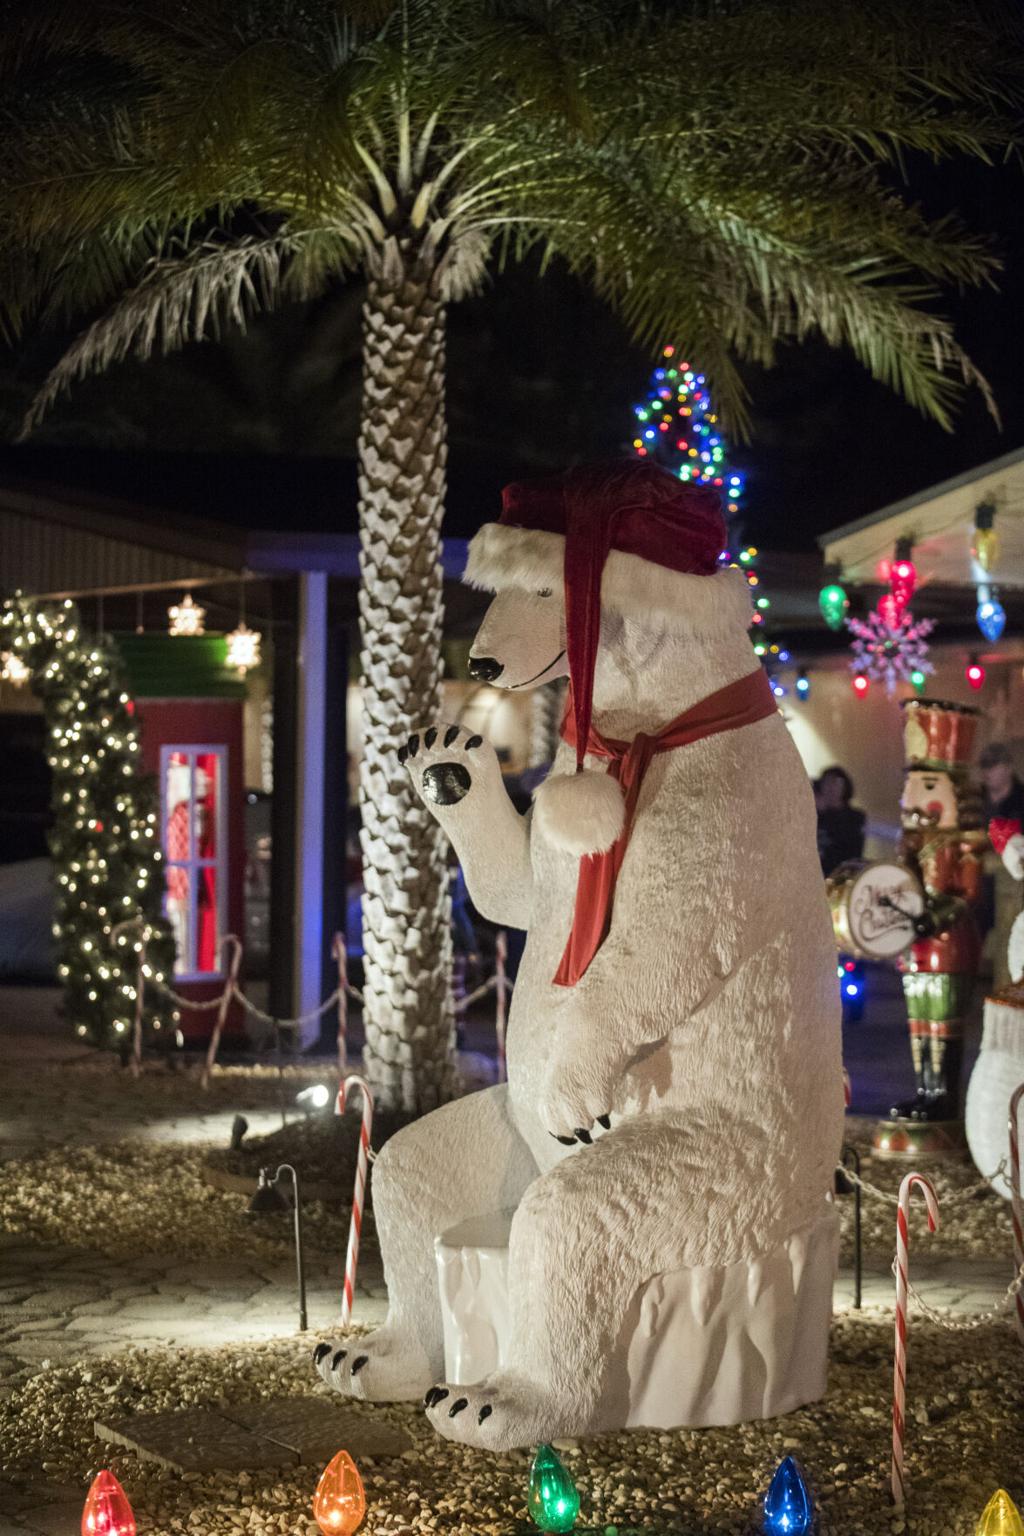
(938, 734)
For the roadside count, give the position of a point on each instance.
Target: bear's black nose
(484, 668)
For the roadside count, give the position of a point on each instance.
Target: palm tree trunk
(409, 1054)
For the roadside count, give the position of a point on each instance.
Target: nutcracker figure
(943, 843)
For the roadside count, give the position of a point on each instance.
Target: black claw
(434, 1396)
(403, 753)
(339, 1355)
(319, 1352)
(474, 741)
(414, 744)
(485, 1413)
(606, 1121)
(457, 1406)
(450, 735)
(567, 1141)
(584, 1136)
(358, 1363)
(430, 737)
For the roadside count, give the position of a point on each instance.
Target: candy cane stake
(500, 1001)
(340, 954)
(359, 1193)
(233, 944)
(899, 1385)
(1016, 1205)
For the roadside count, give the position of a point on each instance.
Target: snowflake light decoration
(890, 652)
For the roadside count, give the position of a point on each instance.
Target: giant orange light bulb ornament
(107, 1511)
(339, 1503)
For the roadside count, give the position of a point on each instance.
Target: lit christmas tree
(105, 837)
(677, 427)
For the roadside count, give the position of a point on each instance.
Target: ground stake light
(107, 1511)
(1001, 1517)
(787, 1504)
(553, 1501)
(339, 1503)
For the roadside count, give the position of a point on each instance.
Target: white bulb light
(186, 617)
(13, 670)
(244, 648)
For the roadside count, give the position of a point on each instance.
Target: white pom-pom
(580, 812)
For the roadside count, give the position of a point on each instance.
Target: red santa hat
(626, 538)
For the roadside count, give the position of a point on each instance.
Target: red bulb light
(107, 1511)
(860, 685)
(975, 674)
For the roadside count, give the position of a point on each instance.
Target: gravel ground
(134, 1199)
(974, 1222)
(965, 1410)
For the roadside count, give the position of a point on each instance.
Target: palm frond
(195, 299)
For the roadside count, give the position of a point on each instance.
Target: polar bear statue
(674, 1098)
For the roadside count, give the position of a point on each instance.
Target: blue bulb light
(852, 989)
(787, 1504)
(991, 618)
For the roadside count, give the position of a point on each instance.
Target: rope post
(233, 944)
(899, 1385)
(851, 1155)
(500, 1000)
(1016, 1204)
(339, 953)
(353, 1080)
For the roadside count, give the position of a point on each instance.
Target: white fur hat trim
(501, 556)
(580, 812)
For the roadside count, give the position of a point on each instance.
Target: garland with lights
(105, 837)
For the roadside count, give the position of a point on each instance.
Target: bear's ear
(580, 813)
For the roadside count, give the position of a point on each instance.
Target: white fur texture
(580, 812)
(706, 1028)
(527, 560)
(1013, 856)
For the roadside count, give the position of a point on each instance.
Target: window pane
(177, 797)
(207, 782)
(178, 904)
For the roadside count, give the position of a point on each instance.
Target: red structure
(190, 708)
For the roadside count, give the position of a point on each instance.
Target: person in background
(840, 824)
(1004, 798)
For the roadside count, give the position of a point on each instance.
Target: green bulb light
(918, 679)
(553, 1501)
(833, 602)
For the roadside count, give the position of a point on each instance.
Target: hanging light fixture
(985, 543)
(243, 642)
(991, 614)
(186, 617)
(13, 670)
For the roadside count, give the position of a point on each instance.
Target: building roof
(940, 521)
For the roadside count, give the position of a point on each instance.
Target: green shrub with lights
(105, 836)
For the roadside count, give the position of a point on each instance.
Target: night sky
(540, 375)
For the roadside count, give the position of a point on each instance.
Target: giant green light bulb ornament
(553, 1501)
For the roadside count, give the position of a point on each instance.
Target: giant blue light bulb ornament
(787, 1504)
(991, 614)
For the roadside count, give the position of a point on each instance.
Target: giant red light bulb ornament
(107, 1511)
(902, 574)
(975, 673)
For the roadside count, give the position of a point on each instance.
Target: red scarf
(740, 703)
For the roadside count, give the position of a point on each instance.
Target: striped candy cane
(359, 1193)
(899, 1386)
(233, 944)
(340, 954)
(500, 1000)
(1016, 1206)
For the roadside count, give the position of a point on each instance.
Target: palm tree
(723, 172)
